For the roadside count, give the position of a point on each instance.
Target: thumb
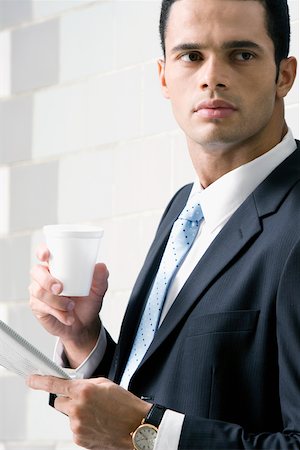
(100, 279)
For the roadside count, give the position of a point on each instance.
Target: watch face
(144, 437)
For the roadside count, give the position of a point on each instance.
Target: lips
(215, 109)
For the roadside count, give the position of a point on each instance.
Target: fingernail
(55, 288)
(70, 306)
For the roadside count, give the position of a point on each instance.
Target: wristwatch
(143, 438)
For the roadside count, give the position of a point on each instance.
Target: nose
(213, 75)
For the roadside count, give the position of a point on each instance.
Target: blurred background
(86, 137)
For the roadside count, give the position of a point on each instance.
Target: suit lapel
(244, 226)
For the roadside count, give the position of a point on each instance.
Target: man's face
(220, 71)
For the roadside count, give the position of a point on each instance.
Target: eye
(191, 57)
(244, 56)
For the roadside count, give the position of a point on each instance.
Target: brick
(5, 63)
(148, 227)
(48, 8)
(156, 110)
(28, 446)
(292, 119)
(85, 186)
(35, 56)
(294, 95)
(14, 268)
(33, 190)
(128, 241)
(137, 34)
(126, 258)
(37, 238)
(60, 122)
(14, 12)
(87, 41)
(4, 199)
(114, 107)
(16, 129)
(294, 9)
(15, 408)
(294, 47)
(150, 162)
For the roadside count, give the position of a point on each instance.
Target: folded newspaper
(21, 357)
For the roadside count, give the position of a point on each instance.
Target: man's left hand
(102, 414)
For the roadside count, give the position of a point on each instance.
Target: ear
(287, 75)
(162, 77)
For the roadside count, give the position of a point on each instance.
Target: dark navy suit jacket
(228, 352)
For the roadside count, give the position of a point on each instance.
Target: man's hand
(102, 414)
(74, 319)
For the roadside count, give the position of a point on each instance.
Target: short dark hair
(278, 25)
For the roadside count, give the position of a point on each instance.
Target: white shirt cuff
(169, 431)
(89, 365)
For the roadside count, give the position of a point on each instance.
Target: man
(222, 368)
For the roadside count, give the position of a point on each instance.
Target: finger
(42, 310)
(58, 302)
(42, 253)
(51, 384)
(42, 275)
(62, 404)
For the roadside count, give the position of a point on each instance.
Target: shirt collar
(223, 197)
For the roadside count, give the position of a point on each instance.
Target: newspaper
(21, 357)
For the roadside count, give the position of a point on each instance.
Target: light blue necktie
(182, 236)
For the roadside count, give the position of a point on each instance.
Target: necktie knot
(192, 211)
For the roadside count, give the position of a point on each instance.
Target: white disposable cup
(73, 255)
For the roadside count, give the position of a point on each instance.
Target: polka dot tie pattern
(182, 236)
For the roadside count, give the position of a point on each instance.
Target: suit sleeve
(104, 365)
(206, 434)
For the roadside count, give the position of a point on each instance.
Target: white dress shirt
(218, 202)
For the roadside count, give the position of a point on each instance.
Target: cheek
(182, 110)
(259, 87)
(262, 100)
(181, 99)
(184, 95)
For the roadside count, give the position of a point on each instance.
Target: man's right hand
(74, 319)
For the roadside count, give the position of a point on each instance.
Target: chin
(216, 140)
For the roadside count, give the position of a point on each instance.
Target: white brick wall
(82, 122)
(80, 31)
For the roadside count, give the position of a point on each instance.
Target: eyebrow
(225, 46)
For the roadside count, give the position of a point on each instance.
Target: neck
(212, 162)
